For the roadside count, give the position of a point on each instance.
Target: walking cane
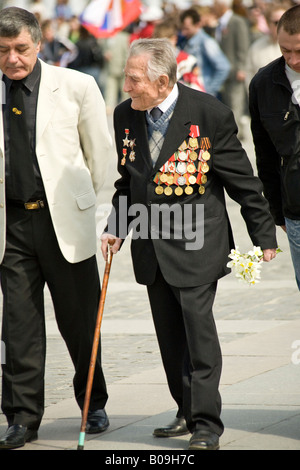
(94, 352)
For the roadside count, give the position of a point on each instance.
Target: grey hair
(162, 59)
(13, 20)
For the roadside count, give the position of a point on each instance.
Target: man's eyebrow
(2, 46)
(132, 75)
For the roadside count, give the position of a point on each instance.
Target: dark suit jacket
(229, 169)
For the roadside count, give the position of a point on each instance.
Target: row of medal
(186, 168)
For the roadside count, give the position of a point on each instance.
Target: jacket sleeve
(267, 159)
(94, 134)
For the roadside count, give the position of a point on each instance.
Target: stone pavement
(259, 329)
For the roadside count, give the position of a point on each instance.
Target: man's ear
(163, 82)
(38, 47)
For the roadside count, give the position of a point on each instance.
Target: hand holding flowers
(247, 267)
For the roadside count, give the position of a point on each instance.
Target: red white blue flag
(104, 18)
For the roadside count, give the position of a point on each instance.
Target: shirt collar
(165, 105)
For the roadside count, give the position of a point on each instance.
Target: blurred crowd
(219, 44)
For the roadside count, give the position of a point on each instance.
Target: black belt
(29, 206)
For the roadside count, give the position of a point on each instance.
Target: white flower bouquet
(247, 267)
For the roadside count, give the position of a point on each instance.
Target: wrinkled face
(144, 93)
(290, 48)
(18, 55)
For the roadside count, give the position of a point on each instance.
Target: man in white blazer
(54, 146)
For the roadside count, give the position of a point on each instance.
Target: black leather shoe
(204, 440)
(176, 428)
(97, 422)
(16, 436)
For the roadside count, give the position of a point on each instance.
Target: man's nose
(127, 86)
(294, 60)
(12, 57)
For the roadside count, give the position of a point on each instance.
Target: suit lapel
(47, 101)
(139, 127)
(3, 91)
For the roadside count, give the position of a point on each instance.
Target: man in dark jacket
(179, 164)
(275, 114)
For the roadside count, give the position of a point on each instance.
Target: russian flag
(104, 18)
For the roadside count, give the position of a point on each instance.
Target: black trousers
(33, 258)
(190, 350)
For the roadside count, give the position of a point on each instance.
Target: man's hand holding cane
(114, 242)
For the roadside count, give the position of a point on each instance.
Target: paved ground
(258, 327)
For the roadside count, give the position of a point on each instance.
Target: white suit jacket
(72, 147)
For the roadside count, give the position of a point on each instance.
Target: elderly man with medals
(185, 154)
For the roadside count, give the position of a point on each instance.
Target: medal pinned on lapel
(132, 156)
(126, 141)
(123, 161)
(132, 144)
(193, 140)
(129, 144)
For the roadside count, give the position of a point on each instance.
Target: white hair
(162, 59)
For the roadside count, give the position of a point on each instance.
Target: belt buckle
(33, 206)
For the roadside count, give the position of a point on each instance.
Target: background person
(212, 62)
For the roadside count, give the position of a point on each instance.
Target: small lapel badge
(17, 111)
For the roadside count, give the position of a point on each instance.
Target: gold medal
(193, 156)
(192, 179)
(201, 190)
(163, 178)
(189, 190)
(205, 167)
(191, 168)
(179, 191)
(168, 191)
(170, 179)
(203, 179)
(193, 143)
(159, 190)
(206, 156)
